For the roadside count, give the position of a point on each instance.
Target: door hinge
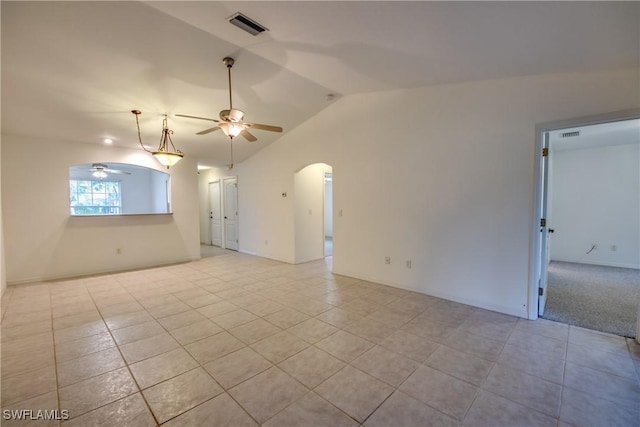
(543, 222)
(545, 152)
(540, 292)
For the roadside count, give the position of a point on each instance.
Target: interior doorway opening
(313, 206)
(587, 248)
(328, 214)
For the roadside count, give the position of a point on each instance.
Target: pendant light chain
(137, 113)
(229, 73)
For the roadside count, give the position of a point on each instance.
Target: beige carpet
(595, 297)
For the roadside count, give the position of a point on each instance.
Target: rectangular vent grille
(247, 24)
(570, 134)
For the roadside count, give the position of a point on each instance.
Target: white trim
(602, 263)
(450, 297)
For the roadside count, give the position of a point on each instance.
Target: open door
(544, 226)
(215, 214)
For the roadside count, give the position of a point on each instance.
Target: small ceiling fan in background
(100, 170)
(231, 120)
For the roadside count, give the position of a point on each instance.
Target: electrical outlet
(408, 263)
(118, 251)
(266, 243)
(387, 260)
(614, 248)
(340, 212)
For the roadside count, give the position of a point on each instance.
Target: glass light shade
(100, 174)
(231, 129)
(167, 158)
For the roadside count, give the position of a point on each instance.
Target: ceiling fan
(100, 170)
(231, 120)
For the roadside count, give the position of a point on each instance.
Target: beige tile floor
(238, 340)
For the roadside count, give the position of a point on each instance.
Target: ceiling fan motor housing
(233, 115)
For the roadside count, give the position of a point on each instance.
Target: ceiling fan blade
(248, 136)
(206, 131)
(264, 127)
(199, 118)
(117, 171)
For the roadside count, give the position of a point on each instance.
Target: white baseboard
(78, 274)
(521, 312)
(604, 264)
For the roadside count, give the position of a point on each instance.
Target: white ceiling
(74, 70)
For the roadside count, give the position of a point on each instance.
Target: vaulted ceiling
(74, 70)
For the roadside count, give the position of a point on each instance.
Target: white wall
(136, 194)
(596, 200)
(44, 242)
(308, 185)
(448, 183)
(159, 192)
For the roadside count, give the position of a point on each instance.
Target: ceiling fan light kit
(163, 154)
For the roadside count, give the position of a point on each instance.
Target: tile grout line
(125, 362)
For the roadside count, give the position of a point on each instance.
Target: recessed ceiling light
(108, 141)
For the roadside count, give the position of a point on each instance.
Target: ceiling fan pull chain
(231, 142)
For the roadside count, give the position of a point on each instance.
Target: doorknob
(225, 217)
(551, 230)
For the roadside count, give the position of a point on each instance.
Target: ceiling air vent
(570, 134)
(247, 24)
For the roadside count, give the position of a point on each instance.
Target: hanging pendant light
(162, 154)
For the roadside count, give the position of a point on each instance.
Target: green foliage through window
(95, 197)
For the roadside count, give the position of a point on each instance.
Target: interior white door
(230, 194)
(215, 214)
(544, 226)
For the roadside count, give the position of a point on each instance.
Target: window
(95, 197)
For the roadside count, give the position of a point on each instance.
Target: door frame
(536, 267)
